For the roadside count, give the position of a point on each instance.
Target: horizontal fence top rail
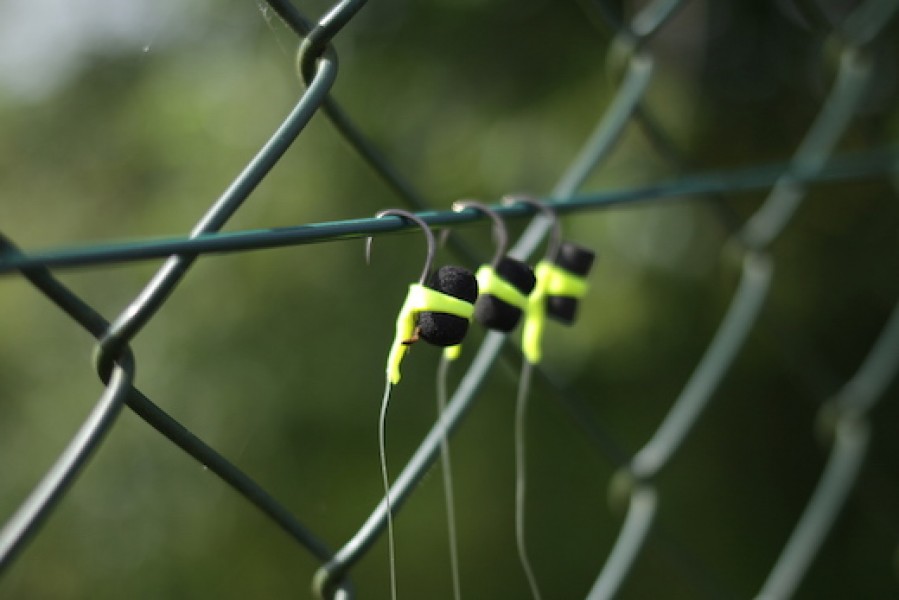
(863, 165)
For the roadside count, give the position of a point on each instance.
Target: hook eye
(432, 245)
(555, 237)
(500, 234)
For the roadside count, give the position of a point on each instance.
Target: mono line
(447, 472)
(473, 379)
(385, 478)
(387, 498)
(524, 386)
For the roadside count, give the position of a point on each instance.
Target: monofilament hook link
(555, 236)
(500, 233)
(432, 243)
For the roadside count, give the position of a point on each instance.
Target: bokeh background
(127, 119)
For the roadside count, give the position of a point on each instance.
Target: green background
(276, 357)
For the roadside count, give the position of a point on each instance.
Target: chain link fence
(743, 301)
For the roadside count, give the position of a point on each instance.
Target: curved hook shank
(555, 236)
(432, 244)
(500, 233)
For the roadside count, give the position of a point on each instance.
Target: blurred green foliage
(276, 357)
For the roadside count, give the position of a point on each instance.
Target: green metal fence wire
(848, 167)
(814, 162)
(759, 232)
(845, 418)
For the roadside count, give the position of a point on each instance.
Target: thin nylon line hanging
(447, 472)
(524, 386)
(385, 478)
